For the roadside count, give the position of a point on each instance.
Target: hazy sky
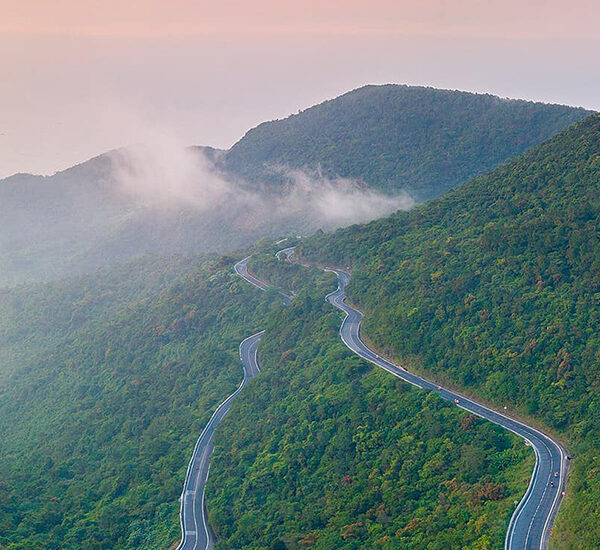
(83, 76)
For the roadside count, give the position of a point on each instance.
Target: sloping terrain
(106, 393)
(106, 380)
(494, 288)
(324, 451)
(115, 207)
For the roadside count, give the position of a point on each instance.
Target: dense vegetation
(392, 137)
(495, 288)
(322, 451)
(33, 316)
(106, 382)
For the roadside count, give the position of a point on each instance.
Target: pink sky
(81, 77)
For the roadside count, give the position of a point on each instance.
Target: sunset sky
(81, 77)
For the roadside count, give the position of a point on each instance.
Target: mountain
(107, 379)
(422, 140)
(411, 143)
(100, 212)
(495, 288)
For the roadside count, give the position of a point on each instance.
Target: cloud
(165, 175)
(339, 201)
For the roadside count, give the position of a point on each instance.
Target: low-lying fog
(164, 199)
(172, 176)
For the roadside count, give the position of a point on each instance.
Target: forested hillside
(164, 199)
(107, 380)
(495, 288)
(421, 140)
(105, 384)
(323, 451)
(32, 316)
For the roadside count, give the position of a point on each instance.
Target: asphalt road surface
(195, 532)
(531, 523)
(241, 269)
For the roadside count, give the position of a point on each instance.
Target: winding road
(241, 268)
(532, 520)
(531, 523)
(195, 532)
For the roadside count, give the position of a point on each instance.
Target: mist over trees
(349, 160)
(424, 141)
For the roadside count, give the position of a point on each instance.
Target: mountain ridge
(395, 107)
(129, 202)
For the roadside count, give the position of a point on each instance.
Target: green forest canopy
(323, 451)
